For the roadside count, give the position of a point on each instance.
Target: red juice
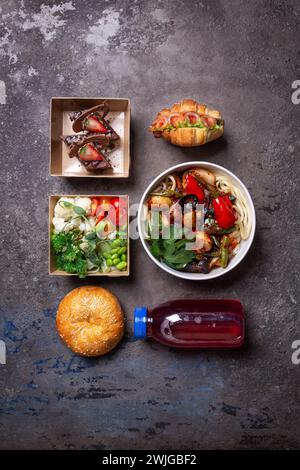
(192, 323)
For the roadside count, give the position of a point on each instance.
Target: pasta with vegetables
(196, 220)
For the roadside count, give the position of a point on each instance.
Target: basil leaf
(156, 248)
(172, 251)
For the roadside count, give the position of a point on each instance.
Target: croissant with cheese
(188, 124)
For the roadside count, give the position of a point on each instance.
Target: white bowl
(244, 245)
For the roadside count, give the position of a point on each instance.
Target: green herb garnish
(68, 256)
(79, 211)
(172, 251)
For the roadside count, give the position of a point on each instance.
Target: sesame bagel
(90, 321)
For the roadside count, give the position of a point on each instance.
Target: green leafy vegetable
(68, 256)
(172, 251)
(157, 248)
(186, 123)
(80, 253)
(59, 241)
(91, 236)
(93, 258)
(225, 231)
(66, 204)
(79, 211)
(91, 247)
(169, 127)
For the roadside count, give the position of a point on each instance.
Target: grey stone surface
(241, 57)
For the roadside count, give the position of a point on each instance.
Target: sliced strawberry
(93, 124)
(89, 153)
(175, 119)
(191, 117)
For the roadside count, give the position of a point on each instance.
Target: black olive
(201, 266)
(209, 213)
(189, 199)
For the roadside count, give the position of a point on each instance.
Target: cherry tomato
(224, 213)
(118, 216)
(114, 208)
(104, 203)
(118, 202)
(118, 211)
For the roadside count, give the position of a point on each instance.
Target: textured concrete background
(240, 57)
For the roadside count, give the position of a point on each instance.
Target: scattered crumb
(2, 92)
(32, 72)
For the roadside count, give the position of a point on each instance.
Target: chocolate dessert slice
(90, 150)
(92, 157)
(93, 121)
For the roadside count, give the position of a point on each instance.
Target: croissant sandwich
(188, 124)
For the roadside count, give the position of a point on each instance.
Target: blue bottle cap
(139, 322)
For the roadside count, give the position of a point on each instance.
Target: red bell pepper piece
(224, 213)
(193, 187)
(100, 214)
(100, 217)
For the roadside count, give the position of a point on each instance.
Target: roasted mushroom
(198, 266)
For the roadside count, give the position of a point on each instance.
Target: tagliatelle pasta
(224, 184)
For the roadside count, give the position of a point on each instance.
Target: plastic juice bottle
(191, 323)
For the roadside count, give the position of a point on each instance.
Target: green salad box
(52, 267)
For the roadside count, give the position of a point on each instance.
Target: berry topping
(89, 153)
(93, 124)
